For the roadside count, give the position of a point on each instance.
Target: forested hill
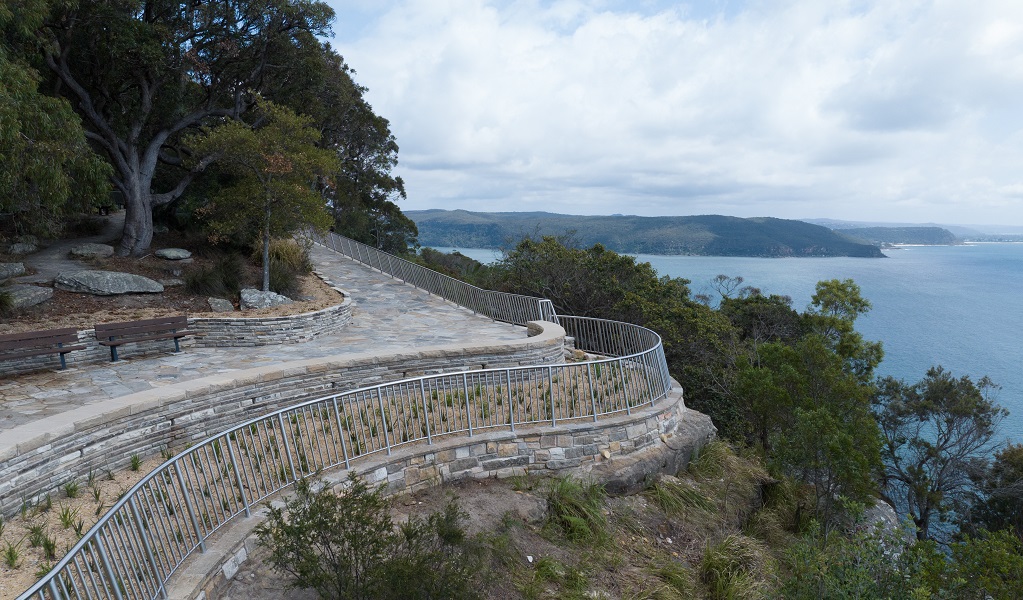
(931, 236)
(712, 235)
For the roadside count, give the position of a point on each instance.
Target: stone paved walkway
(388, 315)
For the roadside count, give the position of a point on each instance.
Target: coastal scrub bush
(222, 279)
(344, 544)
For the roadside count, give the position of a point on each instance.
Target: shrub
(576, 509)
(6, 303)
(222, 279)
(345, 545)
(288, 261)
(737, 567)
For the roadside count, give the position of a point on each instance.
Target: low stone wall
(236, 332)
(653, 439)
(216, 332)
(41, 456)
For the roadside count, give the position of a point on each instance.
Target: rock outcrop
(8, 270)
(92, 251)
(28, 295)
(173, 253)
(106, 283)
(252, 298)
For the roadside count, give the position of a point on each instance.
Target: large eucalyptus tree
(141, 73)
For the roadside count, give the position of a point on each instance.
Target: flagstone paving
(387, 315)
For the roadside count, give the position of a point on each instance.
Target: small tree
(937, 433)
(275, 164)
(345, 545)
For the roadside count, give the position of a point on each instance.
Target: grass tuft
(737, 568)
(575, 510)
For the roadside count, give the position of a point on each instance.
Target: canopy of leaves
(275, 164)
(937, 433)
(47, 171)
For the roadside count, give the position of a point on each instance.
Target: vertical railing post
(384, 420)
(341, 432)
(287, 448)
(187, 497)
(550, 393)
(114, 583)
(144, 534)
(593, 392)
(426, 413)
(468, 409)
(511, 401)
(238, 476)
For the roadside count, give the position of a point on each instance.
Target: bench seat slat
(156, 336)
(39, 352)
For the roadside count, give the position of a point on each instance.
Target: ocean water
(956, 306)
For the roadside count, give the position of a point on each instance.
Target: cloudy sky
(888, 110)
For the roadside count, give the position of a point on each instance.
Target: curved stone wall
(659, 438)
(224, 331)
(41, 456)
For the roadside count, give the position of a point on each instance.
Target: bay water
(960, 307)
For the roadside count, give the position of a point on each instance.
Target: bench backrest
(38, 339)
(108, 330)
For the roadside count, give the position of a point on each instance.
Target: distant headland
(703, 235)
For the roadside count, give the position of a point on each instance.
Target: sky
(892, 110)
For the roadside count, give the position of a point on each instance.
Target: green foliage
(344, 545)
(275, 164)
(288, 261)
(47, 170)
(6, 303)
(737, 568)
(872, 563)
(223, 279)
(575, 510)
(937, 436)
(1000, 502)
(143, 75)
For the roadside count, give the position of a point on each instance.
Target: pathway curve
(388, 315)
(50, 261)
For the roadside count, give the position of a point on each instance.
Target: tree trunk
(266, 251)
(138, 216)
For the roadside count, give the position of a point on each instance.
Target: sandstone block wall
(40, 457)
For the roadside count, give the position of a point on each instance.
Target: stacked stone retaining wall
(652, 439)
(213, 332)
(41, 456)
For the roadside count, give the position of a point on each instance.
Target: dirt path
(50, 261)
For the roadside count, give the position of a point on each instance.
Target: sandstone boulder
(173, 253)
(28, 295)
(106, 283)
(8, 270)
(21, 249)
(252, 298)
(92, 251)
(220, 305)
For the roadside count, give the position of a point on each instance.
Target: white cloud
(863, 110)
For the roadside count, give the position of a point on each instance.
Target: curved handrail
(136, 547)
(500, 306)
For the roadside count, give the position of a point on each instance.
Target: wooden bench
(37, 343)
(164, 328)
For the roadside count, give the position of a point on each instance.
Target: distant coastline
(703, 235)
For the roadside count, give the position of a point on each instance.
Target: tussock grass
(222, 279)
(737, 568)
(679, 498)
(575, 510)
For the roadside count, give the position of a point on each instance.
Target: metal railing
(500, 306)
(145, 537)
